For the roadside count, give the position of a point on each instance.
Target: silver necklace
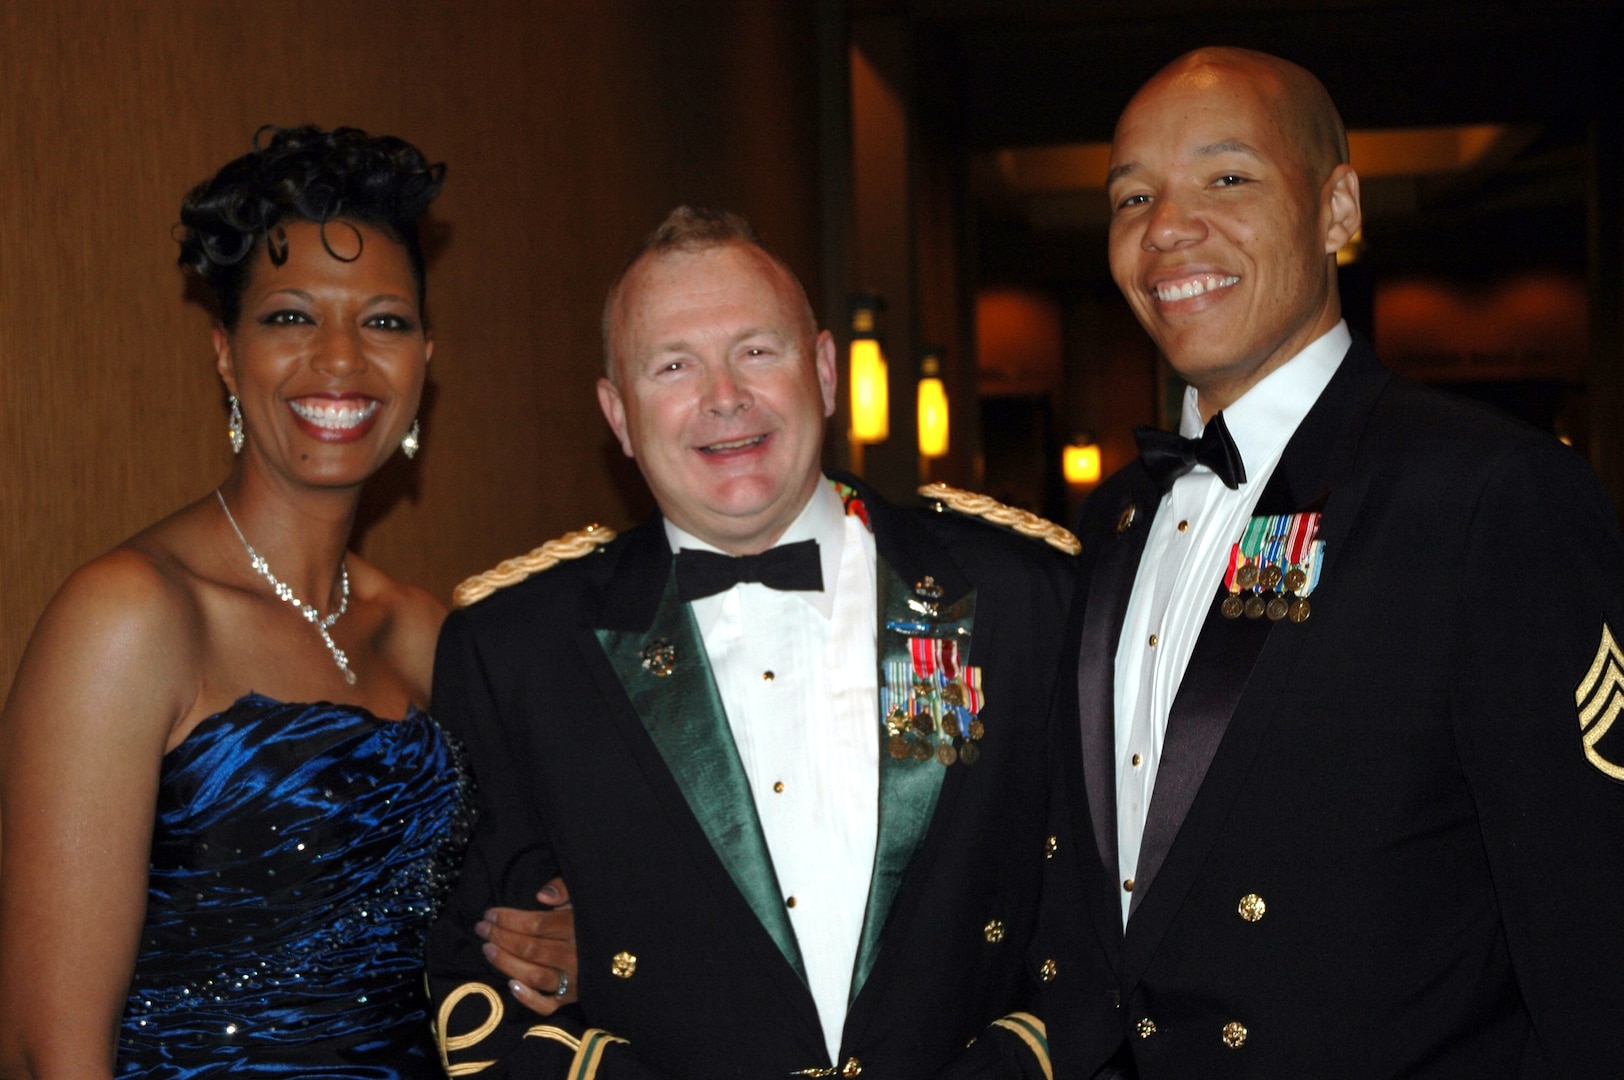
(312, 616)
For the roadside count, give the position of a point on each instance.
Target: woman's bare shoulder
(125, 624)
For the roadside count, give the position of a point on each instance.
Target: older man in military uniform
(784, 741)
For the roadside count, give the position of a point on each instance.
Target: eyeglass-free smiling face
(1228, 207)
(329, 355)
(722, 389)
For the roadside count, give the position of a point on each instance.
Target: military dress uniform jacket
(1387, 840)
(601, 752)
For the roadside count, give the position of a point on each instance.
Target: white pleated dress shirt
(798, 677)
(1186, 553)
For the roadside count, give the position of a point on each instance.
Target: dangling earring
(234, 428)
(413, 441)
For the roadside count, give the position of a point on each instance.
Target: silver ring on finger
(563, 985)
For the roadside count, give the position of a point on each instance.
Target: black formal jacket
(1387, 841)
(592, 763)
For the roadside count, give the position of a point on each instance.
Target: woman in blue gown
(227, 822)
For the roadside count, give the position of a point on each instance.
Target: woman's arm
(534, 947)
(110, 668)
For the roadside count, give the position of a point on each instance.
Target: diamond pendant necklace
(312, 616)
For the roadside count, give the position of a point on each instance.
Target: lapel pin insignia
(1125, 522)
(930, 595)
(659, 657)
(928, 588)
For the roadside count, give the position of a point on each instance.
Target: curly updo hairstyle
(302, 173)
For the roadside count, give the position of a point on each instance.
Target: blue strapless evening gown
(299, 856)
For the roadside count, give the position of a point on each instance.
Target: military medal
(1251, 551)
(1274, 552)
(1303, 553)
(1273, 568)
(932, 699)
(1233, 605)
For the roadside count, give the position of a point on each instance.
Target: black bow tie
(1169, 455)
(792, 567)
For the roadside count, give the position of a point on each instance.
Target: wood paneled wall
(570, 128)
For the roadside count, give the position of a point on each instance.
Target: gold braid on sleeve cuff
(1030, 1030)
(1022, 521)
(589, 1047)
(450, 1044)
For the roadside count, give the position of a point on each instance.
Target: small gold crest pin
(1600, 698)
(659, 657)
(1125, 522)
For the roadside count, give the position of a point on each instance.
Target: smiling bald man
(1338, 792)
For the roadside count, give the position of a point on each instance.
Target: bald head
(1230, 195)
(691, 231)
(1296, 100)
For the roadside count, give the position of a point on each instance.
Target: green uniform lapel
(683, 714)
(908, 788)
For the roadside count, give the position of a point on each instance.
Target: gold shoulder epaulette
(512, 571)
(1022, 521)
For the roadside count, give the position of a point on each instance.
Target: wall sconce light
(1080, 461)
(932, 406)
(870, 382)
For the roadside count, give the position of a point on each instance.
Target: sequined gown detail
(300, 853)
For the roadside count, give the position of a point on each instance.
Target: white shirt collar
(1264, 418)
(823, 519)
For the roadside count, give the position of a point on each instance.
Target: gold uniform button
(994, 931)
(1252, 907)
(790, 902)
(1184, 526)
(1153, 640)
(1127, 886)
(1137, 761)
(1050, 846)
(778, 786)
(623, 965)
(1146, 1027)
(1234, 1035)
(766, 676)
(851, 1069)
(1048, 971)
